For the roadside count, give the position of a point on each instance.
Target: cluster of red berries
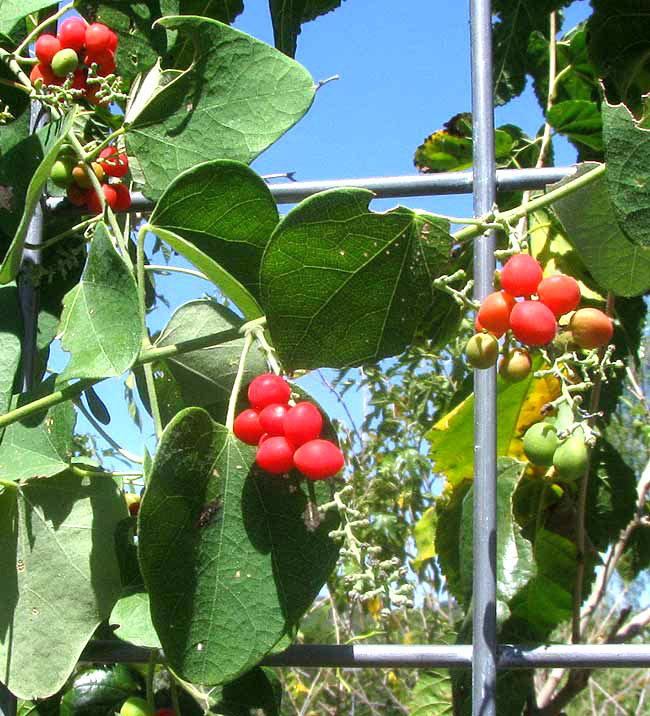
(287, 436)
(533, 320)
(74, 177)
(76, 46)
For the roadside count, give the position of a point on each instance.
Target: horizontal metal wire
(397, 656)
(383, 187)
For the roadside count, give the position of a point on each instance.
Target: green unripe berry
(540, 444)
(64, 62)
(482, 350)
(61, 172)
(135, 706)
(571, 458)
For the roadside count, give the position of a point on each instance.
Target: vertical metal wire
(484, 594)
(27, 287)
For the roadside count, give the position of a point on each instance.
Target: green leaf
(611, 495)
(11, 331)
(224, 551)
(289, 15)
(431, 695)
(515, 21)
(260, 688)
(628, 177)
(206, 376)
(342, 285)
(101, 322)
(12, 11)
(21, 202)
(580, 120)
(225, 212)
(40, 445)
(97, 406)
(616, 263)
(100, 691)
(515, 566)
(59, 576)
(239, 92)
(15, 100)
(548, 599)
(450, 148)
(577, 80)
(619, 46)
(424, 532)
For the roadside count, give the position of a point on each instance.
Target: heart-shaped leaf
(224, 211)
(615, 262)
(101, 323)
(239, 92)
(342, 285)
(224, 551)
(59, 576)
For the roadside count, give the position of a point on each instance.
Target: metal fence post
(484, 547)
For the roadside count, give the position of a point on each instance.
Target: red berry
(533, 323)
(268, 388)
(46, 47)
(521, 275)
(303, 422)
(123, 196)
(112, 45)
(79, 81)
(92, 202)
(591, 328)
(76, 195)
(72, 33)
(272, 418)
(247, 427)
(45, 74)
(478, 328)
(110, 195)
(105, 62)
(494, 313)
(165, 712)
(318, 459)
(275, 455)
(560, 293)
(98, 37)
(114, 163)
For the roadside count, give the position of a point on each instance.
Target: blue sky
(404, 71)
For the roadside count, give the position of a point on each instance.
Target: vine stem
(151, 672)
(113, 135)
(175, 269)
(39, 28)
(576, 632)
(64, 234)
(232, 403)
(8, 484)
(146, 342)
(148, 356)
(539, 202)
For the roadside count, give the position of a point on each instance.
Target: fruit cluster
(533, 320)
(543, 447)
(72, 51)
(287, 436)
(74, 177)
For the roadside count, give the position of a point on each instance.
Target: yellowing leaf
(424, 532)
